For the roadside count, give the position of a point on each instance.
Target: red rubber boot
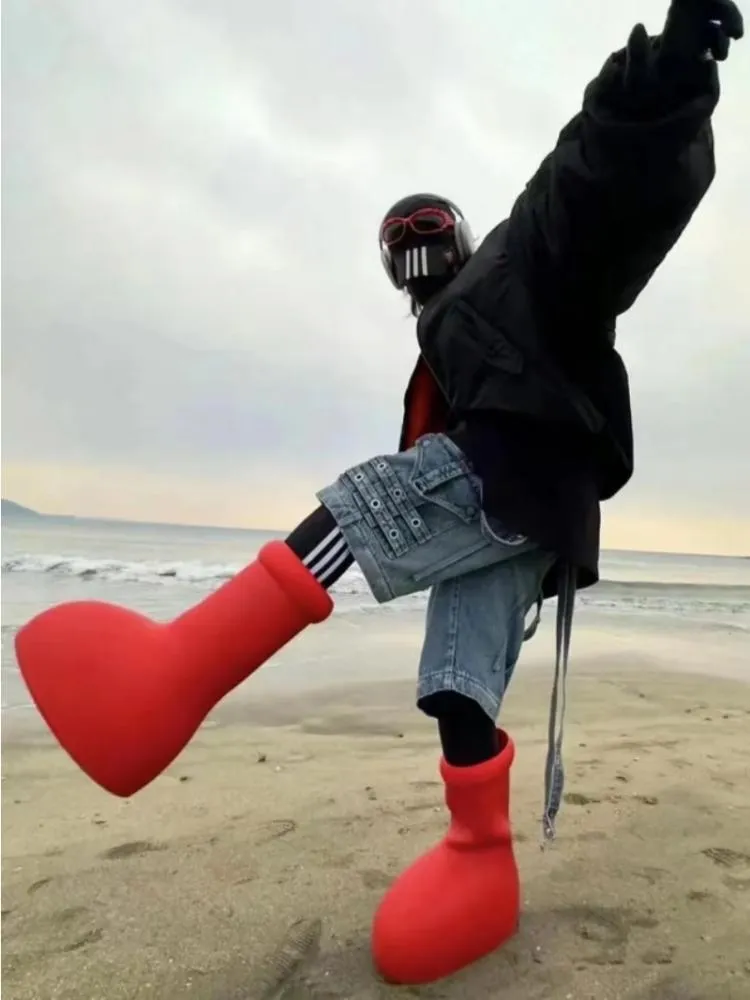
(124, 694)
(461, 900)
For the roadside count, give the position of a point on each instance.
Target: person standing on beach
(517, 426)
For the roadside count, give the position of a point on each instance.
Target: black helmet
(423, 236)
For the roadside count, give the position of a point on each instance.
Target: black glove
(700, 29)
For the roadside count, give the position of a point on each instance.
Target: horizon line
(282, 531)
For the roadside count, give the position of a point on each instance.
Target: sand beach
(251, 870)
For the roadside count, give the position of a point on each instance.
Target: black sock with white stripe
(320, 545)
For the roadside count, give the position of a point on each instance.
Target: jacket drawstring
(554, 772)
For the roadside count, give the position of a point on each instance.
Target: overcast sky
(196, 325)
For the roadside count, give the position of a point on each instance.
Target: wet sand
(251, 870)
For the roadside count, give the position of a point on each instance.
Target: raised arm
(628, 172)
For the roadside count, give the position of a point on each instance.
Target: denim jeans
(414, 521)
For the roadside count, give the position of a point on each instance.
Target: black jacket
(522, 342)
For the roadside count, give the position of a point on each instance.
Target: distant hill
(12, 509)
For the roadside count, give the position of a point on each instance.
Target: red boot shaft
(461, 900)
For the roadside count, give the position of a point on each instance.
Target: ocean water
(163, 569)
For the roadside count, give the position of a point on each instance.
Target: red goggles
(422, 222)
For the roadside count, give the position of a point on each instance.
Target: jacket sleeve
(611, 200)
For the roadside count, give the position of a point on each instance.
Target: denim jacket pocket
(442, 476)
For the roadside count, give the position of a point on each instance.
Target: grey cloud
(191, 193)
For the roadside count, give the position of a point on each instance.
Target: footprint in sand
(726, 857)
(723, 782)
(339, 861)
(680, 764)
(650, 874)
(69, 932)
(132, 849)
(579, 799)
(737, 864)
(279, 974)
(658, 956)
(39, 884)
(698, 896)
(274, 830)
(605, 930)
(414, 807)
(68, 914)
(373, 879)
(90, 937)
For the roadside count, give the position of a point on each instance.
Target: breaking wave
(206, 576)
(724, 604)
(116, 570)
